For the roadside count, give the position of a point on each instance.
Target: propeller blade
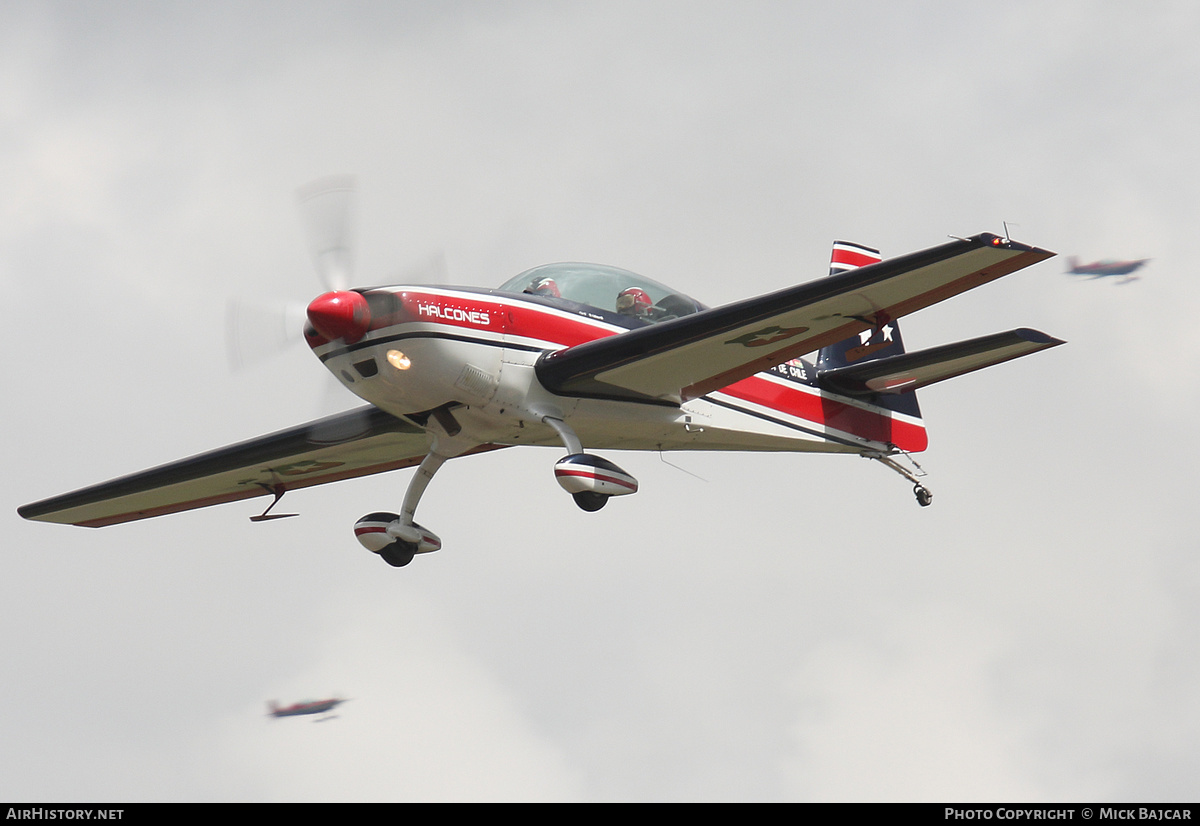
(254, 332)
(327, 215)
(432, 272)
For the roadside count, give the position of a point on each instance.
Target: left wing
(356, 443)
(690, 356)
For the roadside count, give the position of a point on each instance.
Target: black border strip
(364, 345)
(823, 436)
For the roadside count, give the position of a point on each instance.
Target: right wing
(355, 443)
(687, 357)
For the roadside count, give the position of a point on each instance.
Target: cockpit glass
(606, 288)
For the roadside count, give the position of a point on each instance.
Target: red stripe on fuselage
(529, 320)
(820, 408)
(532, 321)
(456, 310)
(469, 311)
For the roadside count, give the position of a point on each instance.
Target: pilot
(633, 301)
(544, 286)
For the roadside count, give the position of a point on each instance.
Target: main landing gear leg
(591, 480)
(397, 537)
(923, 494)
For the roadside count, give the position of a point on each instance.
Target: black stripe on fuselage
(621, 396)
(823, 436)
(363, 345)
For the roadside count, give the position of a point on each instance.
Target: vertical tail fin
(847, 256)
(883, 341)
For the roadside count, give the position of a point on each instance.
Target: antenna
(663, 459)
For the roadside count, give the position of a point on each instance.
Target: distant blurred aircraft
(1107, 268)
(306, 707)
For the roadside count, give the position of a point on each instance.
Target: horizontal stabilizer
(910, 371)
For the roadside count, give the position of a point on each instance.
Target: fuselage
(476, 350)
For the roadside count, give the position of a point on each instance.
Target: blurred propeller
(431, 272)
(327, 214)
(256, 330)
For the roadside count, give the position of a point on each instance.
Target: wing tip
(1038, 337)
(990, 239)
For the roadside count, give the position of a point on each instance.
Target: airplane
(591, 357)
(303, 708)
(1107, 268)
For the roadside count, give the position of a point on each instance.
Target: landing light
(398, 360)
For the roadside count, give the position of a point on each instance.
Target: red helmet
(633, 301)
(545, 286)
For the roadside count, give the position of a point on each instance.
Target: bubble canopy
(610, 289)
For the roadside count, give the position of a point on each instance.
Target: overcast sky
(748, 626)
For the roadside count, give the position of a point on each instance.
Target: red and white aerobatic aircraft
(593, 357)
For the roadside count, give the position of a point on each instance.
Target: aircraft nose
(340, 314)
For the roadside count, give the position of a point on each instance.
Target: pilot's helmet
(633, 301)
(545, 286)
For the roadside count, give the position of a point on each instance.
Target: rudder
(882, 341)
